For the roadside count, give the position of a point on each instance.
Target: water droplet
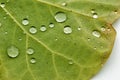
(2, 5)
(70, 62)
(64, 4)
(43, 28)
(20, 39)
(79, 28)
(95, 15)
(103, 29)
(7, 0)
(60, 17)
(115, 11)
(88, 39)
(95, 48)
(30, 51)
(12, 51)
(0, 24)
(6, 32)
(96, 34)
(33, 30)
(33, 60)
(51, 25)
(108, 29)
(67, 30)
(4, 17)
(92, 10)
(25, 22)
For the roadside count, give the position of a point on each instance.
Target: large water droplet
(43, 28)
(60, 17)
(51, 25)
(33, 30)
(2, 5)
(95, 15)
(25, 22)
(12, 51)
(33, 60)
(30, 51)
(96, 34)
(67, 30)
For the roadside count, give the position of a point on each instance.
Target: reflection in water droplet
(64, 4)
(70, 62)
(103, 29)
(25, 22)
(12, 51)
(43, 28)
(96, 34)
(33, 60)
(2, 5)
(60, 17)
(95, 15)
(67, 30)
(51, 25)
(30, 51)
(33, 30)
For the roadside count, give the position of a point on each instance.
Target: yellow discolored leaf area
(55, 39)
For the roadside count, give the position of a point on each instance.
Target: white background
(111, 70)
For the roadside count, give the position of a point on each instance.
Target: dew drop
(20, 39)
(43, 28)
(33, 60)
(60, 17)
(6, 32)
(0, 24)
(93, 11)
(64, 4)
(25, 22)
(108, 29)
(103, 29)
(33, 30)
(96, 34)
(95, 48)
(70, 62)
(95, 15)
(115, 11)
(67, 30)
(51, 25)
(30, 51)
(12, 51)
(79, 28)
(2, 5)
(88, 39)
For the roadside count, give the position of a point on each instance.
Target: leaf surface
(55, 39)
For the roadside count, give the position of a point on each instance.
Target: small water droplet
(67, 30)
(25, 22)
(70, 62)
(92, 10)
(2, 5)
(0, 24)
(33, 30)
(88, 39)
(43, 28)
(79, 28)
(108, 29)
(33, 60)
(95, 48)
(6, 32)
(95, 15)
(103, 29)
(12, 51)
(115, 11)
(4, 17)
(96, 34)
(30, 51)
(64, 4)
(20, 39)
(60, 17)
(51, 25)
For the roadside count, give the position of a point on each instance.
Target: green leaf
(55, 39)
